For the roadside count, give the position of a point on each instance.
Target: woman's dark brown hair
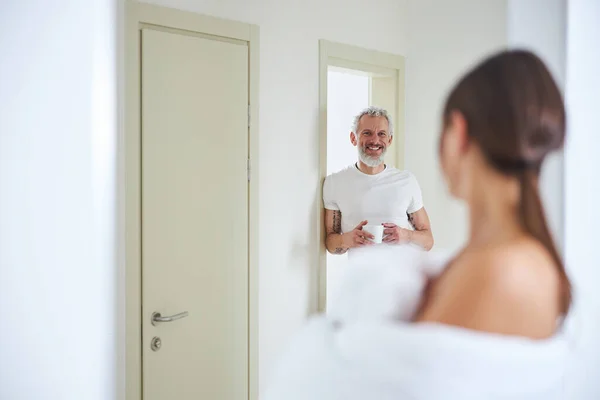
(515, 112)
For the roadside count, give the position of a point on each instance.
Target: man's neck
(364, 168)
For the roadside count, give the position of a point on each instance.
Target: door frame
(373, 63)
(137, 16)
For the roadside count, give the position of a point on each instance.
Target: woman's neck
(494, 211)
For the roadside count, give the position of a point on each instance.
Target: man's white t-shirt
(386, 197)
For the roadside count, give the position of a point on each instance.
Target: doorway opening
(352, 79)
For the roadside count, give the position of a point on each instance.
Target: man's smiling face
(372, 139)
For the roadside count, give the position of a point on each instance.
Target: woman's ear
(458, 128)
(455, 146)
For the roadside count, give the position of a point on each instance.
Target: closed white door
(194, 216)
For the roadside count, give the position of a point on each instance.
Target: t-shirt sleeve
(416, 202)
(329, 199)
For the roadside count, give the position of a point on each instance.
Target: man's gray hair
(373, 111)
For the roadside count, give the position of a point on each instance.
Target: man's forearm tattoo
(411, 219)
(337, 222)
(337, 228)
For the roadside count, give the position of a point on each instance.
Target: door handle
(156, 317)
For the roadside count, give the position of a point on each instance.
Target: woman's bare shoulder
(510, 288)
(523, 268)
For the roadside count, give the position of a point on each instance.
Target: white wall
(540, 26)
(288, 170)
(444, 38)
(582, 152)
(57, 189)
(582, 189)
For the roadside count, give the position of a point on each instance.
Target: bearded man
(370, 192)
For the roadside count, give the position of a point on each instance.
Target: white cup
(376, 231)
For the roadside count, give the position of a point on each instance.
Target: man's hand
(338, 243)
(393, 234)
(357, 237)
(421, 236)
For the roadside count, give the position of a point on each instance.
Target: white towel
(363, 360)
(384, 282)
(365, 348)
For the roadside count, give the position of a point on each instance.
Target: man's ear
(353, 139)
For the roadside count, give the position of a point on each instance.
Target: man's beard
(368, 160)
